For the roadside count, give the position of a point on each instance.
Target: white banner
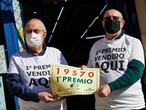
(69, 80)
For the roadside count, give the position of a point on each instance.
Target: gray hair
(42, 26)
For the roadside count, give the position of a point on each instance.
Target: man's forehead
(33, 24)
(112, 13)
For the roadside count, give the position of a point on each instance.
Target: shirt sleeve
(15, 85)
(61, 58)
(134, 69)
(132, 74)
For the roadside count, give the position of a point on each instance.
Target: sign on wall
(2, 96)
(3, 66)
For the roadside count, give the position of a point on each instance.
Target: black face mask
(112, 26)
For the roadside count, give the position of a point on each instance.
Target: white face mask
(34, 40)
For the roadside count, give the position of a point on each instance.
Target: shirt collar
(120, 35)
(40, 54)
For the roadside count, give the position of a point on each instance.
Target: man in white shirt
(121, 60)
(29, 71)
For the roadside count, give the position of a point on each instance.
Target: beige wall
(141, 14)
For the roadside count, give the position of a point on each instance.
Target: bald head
(113, 12)
(37, 23)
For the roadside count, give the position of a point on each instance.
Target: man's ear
(122, 23)
(102, 23)
(44, 34)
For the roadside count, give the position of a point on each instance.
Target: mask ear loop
(26, 46)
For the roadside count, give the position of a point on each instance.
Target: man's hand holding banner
(69, 80)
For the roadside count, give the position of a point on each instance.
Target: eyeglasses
(37, 31)
(117, 18)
